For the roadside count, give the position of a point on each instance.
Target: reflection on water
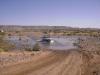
(22, 42)
(63, 43)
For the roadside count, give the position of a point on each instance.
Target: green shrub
(1, 50)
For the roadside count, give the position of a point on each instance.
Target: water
(23, 42)
(20, 42)
(63, 43)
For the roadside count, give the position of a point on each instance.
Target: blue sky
(75, 13)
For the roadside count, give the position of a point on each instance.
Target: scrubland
(85, 60)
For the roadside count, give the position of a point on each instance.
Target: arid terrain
(48, 63)
(81, 61)
(49, 37)
(55, 63)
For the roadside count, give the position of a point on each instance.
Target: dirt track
(53, 63)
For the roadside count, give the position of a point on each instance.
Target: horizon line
(48, 25)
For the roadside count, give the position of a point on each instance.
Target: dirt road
(53, 63)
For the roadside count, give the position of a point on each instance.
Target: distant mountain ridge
(18, 28)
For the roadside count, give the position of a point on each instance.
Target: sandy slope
(54, 63)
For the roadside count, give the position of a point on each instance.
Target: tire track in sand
(55, 63)
(60, 58)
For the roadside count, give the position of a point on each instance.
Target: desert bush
(1, 50)
(2, 33)
(4, 45)
(36, 47)
(28, 49)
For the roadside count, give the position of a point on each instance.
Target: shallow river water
(22, 42)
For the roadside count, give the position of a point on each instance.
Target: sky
(74, 13)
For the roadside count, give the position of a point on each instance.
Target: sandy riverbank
(90, 50)
(47, 63)
(15, 57)
(83, 61)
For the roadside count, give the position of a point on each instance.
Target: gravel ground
(9, 58)
(90, 49)
(88, 57)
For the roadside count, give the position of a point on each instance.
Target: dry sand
(47, 63)
(84, 61)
